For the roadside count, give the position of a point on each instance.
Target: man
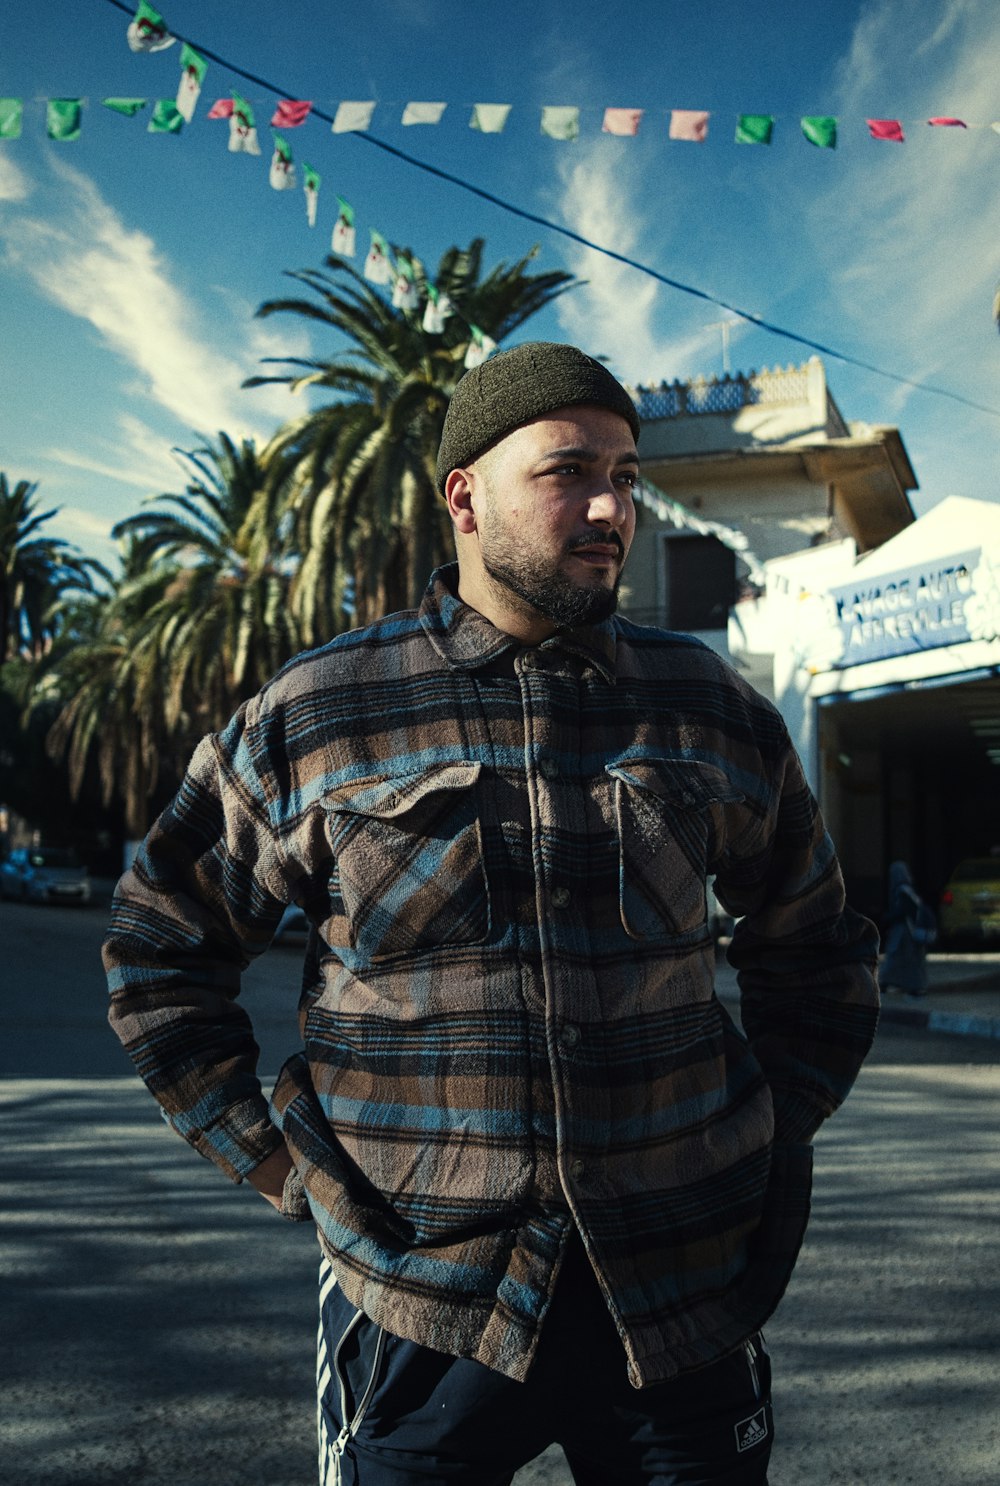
(557, 1191)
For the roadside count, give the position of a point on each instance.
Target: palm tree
(220, 621)
(35, 573)
(198, 620)
(105, 681)
(367, 519)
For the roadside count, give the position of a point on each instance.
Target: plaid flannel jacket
(508, 1017)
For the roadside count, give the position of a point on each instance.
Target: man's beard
(541, 587)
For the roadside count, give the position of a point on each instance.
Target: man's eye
(630, 478)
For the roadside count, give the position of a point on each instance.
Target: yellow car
(969, 911)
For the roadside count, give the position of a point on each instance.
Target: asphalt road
(158, 1322)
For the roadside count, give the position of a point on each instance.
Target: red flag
(690, 124)
(886, 129)
(290, 113)
(222, 108)
(949, 123)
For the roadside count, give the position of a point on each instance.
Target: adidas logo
(752, 1431)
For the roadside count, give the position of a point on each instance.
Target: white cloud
(89, 262)
(909, 240)
(613, 314)
(14, 184)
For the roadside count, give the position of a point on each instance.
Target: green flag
(11, 114)
(63, 118)
(127, 106)
(820, 130)
(167, 118)
(754, 128)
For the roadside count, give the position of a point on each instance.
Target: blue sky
(132, 263)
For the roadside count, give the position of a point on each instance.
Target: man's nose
(607, 506)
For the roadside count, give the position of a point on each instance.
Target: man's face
(555, 517)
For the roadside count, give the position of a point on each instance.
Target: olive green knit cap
(515, 386)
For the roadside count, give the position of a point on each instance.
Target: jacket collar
(466, 640)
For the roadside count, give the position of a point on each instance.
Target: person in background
(910, 931)
(557, 1191)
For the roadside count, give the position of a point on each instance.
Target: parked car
(969, 911)
(44, 874)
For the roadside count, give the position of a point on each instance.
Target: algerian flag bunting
(489, 118)
(282, 172)
(405, 294)
(378, 266)
(310, 184)
(193, 69)
(11, 115)
(436, 312)
(754, 128)
(561, 123)
(63, 118)
(820, 130)
(480, 348)
(147, 31)
(243, 128)
(344, 239)
(128, 107)
(167, 118)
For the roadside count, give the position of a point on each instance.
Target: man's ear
(458, 490)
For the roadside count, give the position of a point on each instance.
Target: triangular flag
(282, 172)
(754, 128)
(127, 106)
(378, 266)
(352, 116)
(63, 120)
(344, 240)
(949, 123)
(820, 130)
(291, 113)
(243, 128)
(222, 108)
(166, 119)
(405, 294)
(690, 124)
(11, 116)
(489, 118)
(423, 113)
(621, 121)
(193, 69)
(561, 123)
(886, 129)
(437, 311)
(310, 184)
(480, 347)
(147, 31)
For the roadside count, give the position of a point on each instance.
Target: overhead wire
(514, 209)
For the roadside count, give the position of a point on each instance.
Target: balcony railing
(722, 394)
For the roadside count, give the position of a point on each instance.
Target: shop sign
(897, 613)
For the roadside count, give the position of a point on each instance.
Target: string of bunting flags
(147, 31)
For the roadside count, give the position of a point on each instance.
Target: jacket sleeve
(203, 896)
(806, 961)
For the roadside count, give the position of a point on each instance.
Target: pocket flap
(386, 798)
(686, 784)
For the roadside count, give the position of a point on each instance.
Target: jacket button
(549, 768)
(560, 897)
(570, 1035)
(576, 1169)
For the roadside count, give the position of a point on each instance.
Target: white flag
(351, 116)
(423, 113)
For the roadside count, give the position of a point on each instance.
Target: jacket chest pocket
(669, 817)
(409, 861)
